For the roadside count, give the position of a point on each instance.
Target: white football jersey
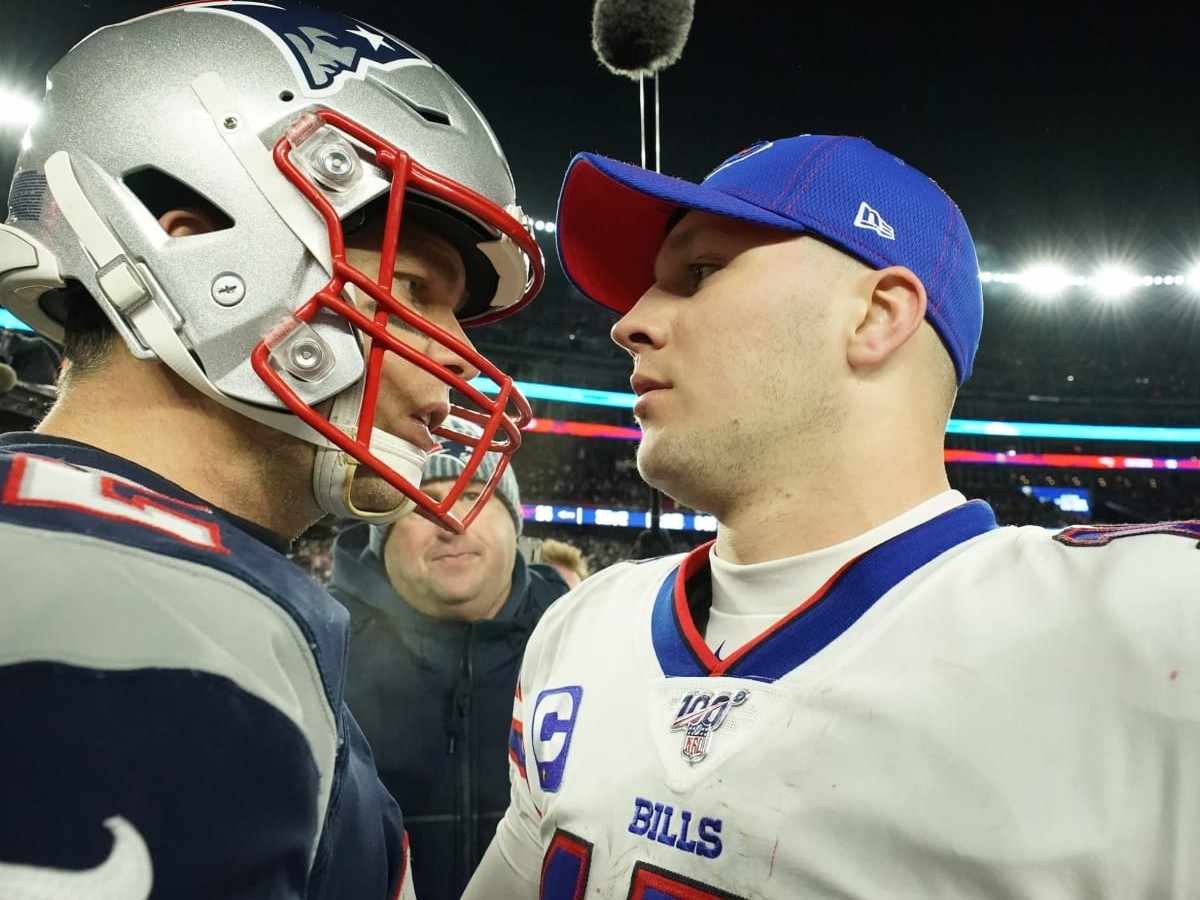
(961, 711)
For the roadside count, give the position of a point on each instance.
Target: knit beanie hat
(449, 462)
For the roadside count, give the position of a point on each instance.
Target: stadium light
(1048, 280)
(1113, 281)
(16, 110)
(1193, 278)
(1045, 280)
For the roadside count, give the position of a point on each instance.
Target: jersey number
(565, 876)
(34, 481)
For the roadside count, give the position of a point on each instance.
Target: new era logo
(872, 221)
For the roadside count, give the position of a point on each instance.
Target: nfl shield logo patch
(699, 716)
(695, 742)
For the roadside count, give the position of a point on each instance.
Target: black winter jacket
(435, 701)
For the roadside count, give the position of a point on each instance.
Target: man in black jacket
(438, 627)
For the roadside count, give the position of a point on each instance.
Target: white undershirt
(748, 600)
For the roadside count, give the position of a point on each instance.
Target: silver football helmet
(290, 121)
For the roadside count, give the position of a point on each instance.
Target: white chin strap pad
(334, 470)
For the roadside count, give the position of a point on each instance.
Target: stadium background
(1069, 139)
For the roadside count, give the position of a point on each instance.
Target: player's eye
(408, 287)
(414, 292)
(431, 297)
(398, 324)
(697, 272)
(395, 322)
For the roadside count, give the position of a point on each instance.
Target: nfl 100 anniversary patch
(701, 726)
(700, 715)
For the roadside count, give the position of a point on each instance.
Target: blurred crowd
(1036, 363)
(608, 478)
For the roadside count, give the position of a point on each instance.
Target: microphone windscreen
(640, 37)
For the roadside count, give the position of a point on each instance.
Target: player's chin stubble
(689, 468)
(370, 493)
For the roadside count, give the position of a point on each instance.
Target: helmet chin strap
(334, 470)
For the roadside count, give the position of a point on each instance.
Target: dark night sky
(1075, 131)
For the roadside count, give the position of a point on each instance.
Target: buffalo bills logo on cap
(741, 156)
(325, 48)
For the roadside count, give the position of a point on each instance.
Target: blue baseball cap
(612, 219)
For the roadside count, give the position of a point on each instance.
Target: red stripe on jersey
(516, 747)
(404, 856)
(698, 560)
(106, 487)
(519, 764)
(1103, 535)
(668, 884)
(724, 665)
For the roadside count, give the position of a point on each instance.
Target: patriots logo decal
(452, 448)
(325, 48)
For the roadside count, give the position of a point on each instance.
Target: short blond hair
(560, 553)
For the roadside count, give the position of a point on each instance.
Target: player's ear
(186, 222)
(895, 311)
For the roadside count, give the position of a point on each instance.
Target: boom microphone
(636, 38)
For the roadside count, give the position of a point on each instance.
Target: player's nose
(642, 327)
(449, 356)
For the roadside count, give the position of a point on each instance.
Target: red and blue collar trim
(812, 625)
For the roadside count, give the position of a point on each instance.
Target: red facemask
(501, 419)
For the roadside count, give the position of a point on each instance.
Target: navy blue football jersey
(172, 692)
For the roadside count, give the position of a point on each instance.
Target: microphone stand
(654, 541)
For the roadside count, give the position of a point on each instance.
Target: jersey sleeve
(511, 867)
(156, 775)
(166, 732)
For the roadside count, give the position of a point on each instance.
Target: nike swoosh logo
(717, 652)
(126, 875)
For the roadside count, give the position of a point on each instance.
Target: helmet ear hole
(287, 96)
(161, 193)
